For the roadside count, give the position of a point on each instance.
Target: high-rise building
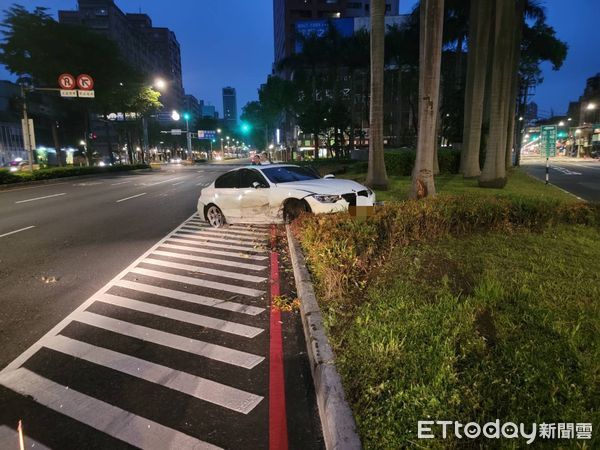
(229, 106)
(192, 106)
(153, 51)
(286, 13)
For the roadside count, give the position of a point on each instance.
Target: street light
(175, 116)
(591, 106)
(160, 84)
(561, 123)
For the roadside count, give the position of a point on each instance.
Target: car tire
(214, 216)
(293, 208)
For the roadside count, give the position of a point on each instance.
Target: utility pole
(26, 130)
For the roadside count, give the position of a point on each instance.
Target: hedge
(7, 177)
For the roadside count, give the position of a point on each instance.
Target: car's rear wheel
(214, 216)
(293, 208)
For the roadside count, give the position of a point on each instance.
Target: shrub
(62, 172)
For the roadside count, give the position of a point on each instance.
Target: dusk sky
(230, 42)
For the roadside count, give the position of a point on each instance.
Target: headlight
(327, 198)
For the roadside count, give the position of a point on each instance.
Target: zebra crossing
(171, 354)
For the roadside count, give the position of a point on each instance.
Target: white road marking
(225, 230)
(199, 282)
(204, 270)
(201, 184)
(182, 316)
(41, 198)
(201, 388)
(220, 262)
(9, 439)
(109, 419)
(196, 247)
(161, 182)
(181, 238)
(17, 231)
(120, 183)
(211, 232)
(191, 298)
(174, 341)
(178, 183)
(211, 239)
(129, 198)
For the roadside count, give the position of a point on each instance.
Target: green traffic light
(246, 128)
(186, 116)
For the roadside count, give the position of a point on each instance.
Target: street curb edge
(337, 421)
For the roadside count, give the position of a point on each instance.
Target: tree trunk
(494, 169)
(479, 29)
(376, 175)
(430, 60)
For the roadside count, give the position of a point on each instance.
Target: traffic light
(245, 127)
(186, 116)
(93, 136)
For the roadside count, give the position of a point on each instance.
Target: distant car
(175, 161)
(17, 165)
(276, 194)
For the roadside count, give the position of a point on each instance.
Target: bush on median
(7, 177)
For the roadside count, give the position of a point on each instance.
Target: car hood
(324, 186)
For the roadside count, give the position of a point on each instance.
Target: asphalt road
(577, 176)
(175, 352)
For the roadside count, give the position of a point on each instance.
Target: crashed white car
(276, 194)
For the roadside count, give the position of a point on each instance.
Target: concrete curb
(339, 428)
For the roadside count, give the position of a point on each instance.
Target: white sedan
(276, 194)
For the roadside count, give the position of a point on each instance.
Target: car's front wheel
(214, 216)
(293, 208)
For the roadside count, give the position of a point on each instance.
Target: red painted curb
(278, 435)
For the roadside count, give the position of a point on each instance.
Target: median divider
(337, 421)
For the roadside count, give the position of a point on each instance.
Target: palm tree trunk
(494, 169)
(376, 175)
(430, 61)
(480, 24)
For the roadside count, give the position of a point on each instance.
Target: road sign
(66, 81)
(85, 82)
(548, 141)
(176, 132)
(207, 134)
(68, 93)
(86, 94)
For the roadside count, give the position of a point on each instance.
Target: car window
(227, 181)
(289, 174)
(249, 176)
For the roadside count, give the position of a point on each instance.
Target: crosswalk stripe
(191, 298)
(202, 247)
(201, 388)
(231, 228)
(116, 422)
(182, 316)
(225, 231)
(196, 347)
(210, 239)
(9, 438)
(199, 282)
(204, 270)
(220, 262)
(225, 234)
(206, 243)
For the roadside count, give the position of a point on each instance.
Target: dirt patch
(484, 325)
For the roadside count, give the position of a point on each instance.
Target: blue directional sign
(207, 134)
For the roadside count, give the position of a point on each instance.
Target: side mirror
(329, 176)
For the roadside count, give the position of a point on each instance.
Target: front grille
(350, 198)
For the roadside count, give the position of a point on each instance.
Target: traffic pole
(547, 168)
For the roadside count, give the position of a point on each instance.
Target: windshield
(289, 174)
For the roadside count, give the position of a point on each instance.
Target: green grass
(479, 328)
(519, 183)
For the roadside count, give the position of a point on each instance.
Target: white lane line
(191, 298)
(204, 270)
(181, 238)
(210, 239)
(120, 183)
(197, 248)
(201, 388)
(17, 231)
(40, 198)
(182, 316)
(201, 184)
(225, 234)
(174, 341)
(199, 282)
(220, 262)
(9, 438)
(129, 198)
(109, 419)
(178, 183)
(161, 182)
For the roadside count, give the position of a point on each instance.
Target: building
(192, 106)
(586, 113)
(286, 14)
(230, 107)
(153, 51)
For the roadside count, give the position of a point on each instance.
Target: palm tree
(430, 61)
(479, 31)
(376, 175)
(494, 169)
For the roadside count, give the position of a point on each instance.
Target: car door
(227, 195)
(255, 203)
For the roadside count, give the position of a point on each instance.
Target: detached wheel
(293, 208)
(215, 217)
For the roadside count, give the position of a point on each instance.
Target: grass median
(474, 306)
(7, 177)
